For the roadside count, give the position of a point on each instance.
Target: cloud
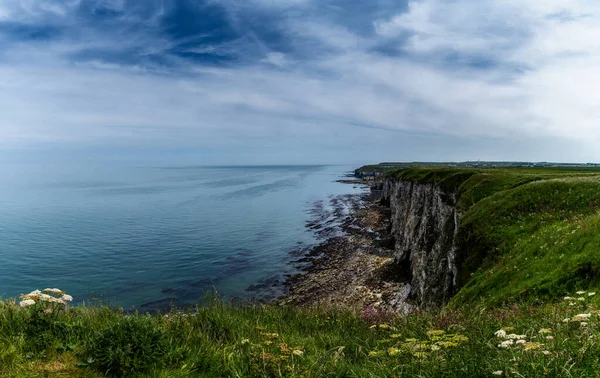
(287, 74)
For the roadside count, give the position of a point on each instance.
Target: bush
(131, 346)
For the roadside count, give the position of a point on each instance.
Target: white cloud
(541, 81)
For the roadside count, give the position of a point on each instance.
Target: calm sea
(152, 235)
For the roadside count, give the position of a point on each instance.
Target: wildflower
(520, 341)
(505, 344)
(298, 352)
(591, 294)
(435, 348)
(393, 351)
(569, 299)
(499, 372)
(580, 292)
(549, 337)
(546, 352)
(53, 291)
(513, 336)
(375, 353)
(566, 320)
(545, 330)
(395, 336)
(501, 334)
(435, 332)
(581, 317)
(268, 342)
(26, 302)
(583, 324)
(581, 299)
(245, 341)
(67, 297)
(532, 345)
(384, 326)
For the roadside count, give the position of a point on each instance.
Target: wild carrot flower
(499, 372)
(580, 292)
(581, 317)
(500, 333)
(27, 302)
(67, 297)
(581, 299)
(520, 341)
(505, 344)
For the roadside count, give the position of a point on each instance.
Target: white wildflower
(583, 324)
(520, 341)
(549, 337)
(581, 317)
(506, 344)
(27, 302)
(501, 334)
(580, 292)
(591, 294)
(566, 320)
(499, 372)
(569, 298)
(513, 336)
(581, 299)
(67, 297)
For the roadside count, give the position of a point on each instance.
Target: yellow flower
(532, 345)
(395, 336)
(393, 351)
(375, 353)
(545, 330)
(298, 352)
(435, 332)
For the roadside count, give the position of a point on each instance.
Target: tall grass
(254, 340)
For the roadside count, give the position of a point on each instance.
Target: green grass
(269, 341)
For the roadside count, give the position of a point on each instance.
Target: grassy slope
(259, 341)
(525, 233)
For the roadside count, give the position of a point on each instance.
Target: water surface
(145, 235)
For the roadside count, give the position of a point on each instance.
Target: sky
(299, 81)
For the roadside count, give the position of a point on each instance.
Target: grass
(220, 340)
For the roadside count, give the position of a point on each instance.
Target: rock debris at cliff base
(354, 270)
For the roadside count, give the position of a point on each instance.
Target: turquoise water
(144, 235)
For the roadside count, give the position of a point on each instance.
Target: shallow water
(155, 235)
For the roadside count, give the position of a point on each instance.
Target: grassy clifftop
(525, 233)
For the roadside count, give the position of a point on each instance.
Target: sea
(147, 237)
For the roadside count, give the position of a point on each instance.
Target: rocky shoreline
(354, 269)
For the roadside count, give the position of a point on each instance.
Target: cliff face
(424, 222)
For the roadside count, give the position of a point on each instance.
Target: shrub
(131, 346)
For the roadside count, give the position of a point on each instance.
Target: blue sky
(299, 81)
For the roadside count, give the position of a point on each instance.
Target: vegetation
(529, 252)
(220, 340)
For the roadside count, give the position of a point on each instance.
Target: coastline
(353, 269)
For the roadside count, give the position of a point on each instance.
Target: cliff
(494, 235)
(424, 224)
